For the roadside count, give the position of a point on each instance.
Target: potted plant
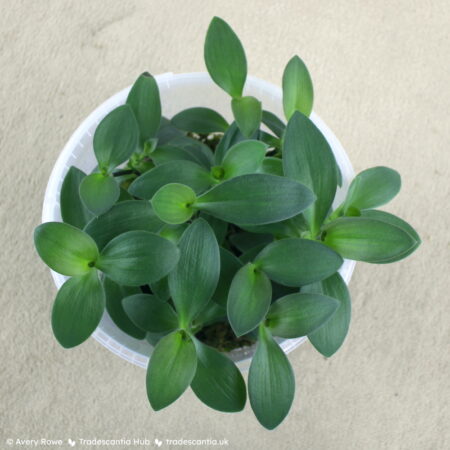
(201, 236)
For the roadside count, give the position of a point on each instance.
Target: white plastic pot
(178, 91)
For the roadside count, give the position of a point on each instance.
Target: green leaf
(195, 278)
(251, 254)
(99, 192)
(373, 187)
(247, 112)
(248, 299)
(200, 120)
(297, 315)
(273, 123)
(78, 309)
(219, 227)
(114, 295)
(173, 232)
(271, 382)
(65, 249)
(245, 241)
(129, 215)
(161, 289)
(173, 203)
(145, 102)
(255, 199)
(167, 132)
(296, 262)
(212, 314)
(243, 158)
(136, 258)
(166, 153)
(272, 166)
(400, 223)
(272, 141)
(149, 313)
(308, 158)
(115, 138)
(225, 57)
(298, 93)
(218, 382)
(201, 153)
(229, 265)
(329, 337)
(171, 369)
(73, 210)
(369, 240)
(183, 172)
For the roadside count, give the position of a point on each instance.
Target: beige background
(381, 74)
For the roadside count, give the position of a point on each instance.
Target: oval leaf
(99, 192)
(273, 123)
(373, 187)
(149, 313)
(115, 138)
(171, 369)
(297, 315)
(296, 262)
(308, 158)
(369, 240)
(255, 199)
(229, 265)
(329, 337)
(178, 171)
(130, 215)
(243, 158)
(145, 102)
(247, 112)
(136, 258)
(225, 57)
(173, 203)
(248, 300)
(73, 210)
(64, 248)
(298, 93)
(195, 278)
(271, 382)
(218, 383)
(200, 120)
(272, 166)
(78, 308)
(114, 295)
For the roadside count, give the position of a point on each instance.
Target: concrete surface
(381, 74)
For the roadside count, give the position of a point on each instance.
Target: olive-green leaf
(229, 265)
(78, 308)
(243, 158)
(73, 210)
(225, 57)
(273, 123)
(99, 192)
(255, 199)
(231, 137)
(271, 382)
(247, 112)
(179, 171)
(308, 158)
(272, 166)
(116, 138)
(369, 240)
(297, 315)
(145, 102)
(329, 337)
(195, 278)
(173, 232)
(129, 215)
(171, 369)
(200, 120)
(248, 299)
(149, 313)
(298, 93)
(218, 383)
(372, 188)
(296, 262)
(173, 203)
(115, 293)
(394, 220)
(64, 248)
(136, 258)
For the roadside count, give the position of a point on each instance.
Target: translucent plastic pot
(178, 91)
